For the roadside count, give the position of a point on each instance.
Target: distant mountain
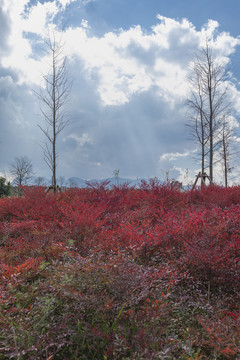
(75, 181)
(116, 181)
(81, 183)
(35, 180)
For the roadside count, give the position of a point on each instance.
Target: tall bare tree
(197, 122)
(227, 151)
(208, 103)
(54, 99)
(21, 169)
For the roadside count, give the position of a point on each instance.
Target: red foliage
(154, 224)
(223, 334)
(139, 242)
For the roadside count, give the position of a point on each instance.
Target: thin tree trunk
(54, 100)
(54, 122)
(225, 161)
(211, 153)
(210, 89)
(203, 146)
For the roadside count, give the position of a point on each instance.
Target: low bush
(121, 273)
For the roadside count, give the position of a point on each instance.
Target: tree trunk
(54, 100)
(54, 122)
(210, 90)
(225, 161)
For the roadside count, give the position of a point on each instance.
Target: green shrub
(5, 188)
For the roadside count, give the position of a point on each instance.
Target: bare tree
(198, 121)
(227, 148)
(61, 181)
(21, 169)
(72, 183)
(40, 181)
(208, 103)
(53, 102)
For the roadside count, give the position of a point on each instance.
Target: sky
(128, 61)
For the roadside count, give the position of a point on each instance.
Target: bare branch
(54, 100)
(207, 103)
(21, 169)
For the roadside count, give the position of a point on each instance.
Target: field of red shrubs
(120, 273)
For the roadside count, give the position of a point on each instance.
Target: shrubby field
(149, 273)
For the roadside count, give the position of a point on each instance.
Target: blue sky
(116, 14)
(129, 60)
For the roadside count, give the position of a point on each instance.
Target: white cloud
(125, 63)
(185, 176)
(208, 31)
(121, 73)
(84, 24)
(131, 61)
(130, 86)
(64, 3)
(85, 2)
(21, 56)
(175, 156)
(234, 96)
(14, 7)
(81, 140)
(36, 21)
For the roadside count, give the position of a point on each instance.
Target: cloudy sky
(129, 60)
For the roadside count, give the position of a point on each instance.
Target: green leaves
(5, 188)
